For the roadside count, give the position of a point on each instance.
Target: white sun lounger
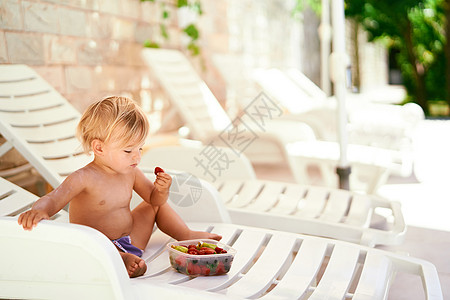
(14, 200)
(379, 125)
(284, 206)
(257, 132)
(207, 122)
(40, 123)
(59, 260)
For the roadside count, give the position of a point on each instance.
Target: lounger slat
(302, 272)
(336, 207)
(312, 205)
(230, 188)
(375, 277)
(267, 198)
(360, 211)
(17, 73)
(266, 269)
(42, 117)
(70, 164)
(249, 191)
(30, 103)
(59, 149)
(48, 133)
(289, 200)
(23, 87)
(16, 202)
(338, 273)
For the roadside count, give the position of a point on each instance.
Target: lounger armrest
(372, 237)
(56, 259)
(430, 281)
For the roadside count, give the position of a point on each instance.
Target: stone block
(60, 49)
(3, 52)
(99, 26)
(26, 48)
(84, 4)
(80, 79)
(90, 52)
(144, 32)
(10, 16)
(127, 79)
(106, 78)
(123, 29)
(72, 21)
(110, 6)
(150, 12)
(54, 75)
(128, 54)
(40, 17)
(130, 8)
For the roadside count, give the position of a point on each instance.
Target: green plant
(189, 30)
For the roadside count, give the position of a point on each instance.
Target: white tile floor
(425, 205)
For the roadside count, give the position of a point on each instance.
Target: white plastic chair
(59, 260)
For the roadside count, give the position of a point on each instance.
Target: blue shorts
(124, 244)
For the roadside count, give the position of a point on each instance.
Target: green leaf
(194, 49)
(164, 32)
(192, 31)
(151, 44)
(181, 3)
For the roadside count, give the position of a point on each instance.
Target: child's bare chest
(112, 192)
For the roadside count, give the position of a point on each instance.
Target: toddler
(115, 129)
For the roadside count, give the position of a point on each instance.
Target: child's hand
(29, 219)
(163, 181)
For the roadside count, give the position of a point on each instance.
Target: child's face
(122, 159)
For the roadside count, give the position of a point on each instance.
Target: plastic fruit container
(205, 265)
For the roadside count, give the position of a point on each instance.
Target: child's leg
(167, 220)
(171, 223)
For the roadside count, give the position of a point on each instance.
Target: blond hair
(113, 119)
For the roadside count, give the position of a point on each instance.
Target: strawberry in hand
(158, 170)
(162, 182)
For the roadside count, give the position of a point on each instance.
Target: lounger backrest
(194, 101)
(40, 123)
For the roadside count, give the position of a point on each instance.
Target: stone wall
(85, 49)
(89, 49)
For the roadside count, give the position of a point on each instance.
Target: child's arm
(155, 193)
(51, 203)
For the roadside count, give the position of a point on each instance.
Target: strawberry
(158, 170)
(205, 270)
(220, 268)
(209, 251)
(194, 269)
(193, 251)
(180, 260)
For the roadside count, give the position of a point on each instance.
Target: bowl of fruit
(200, 257)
